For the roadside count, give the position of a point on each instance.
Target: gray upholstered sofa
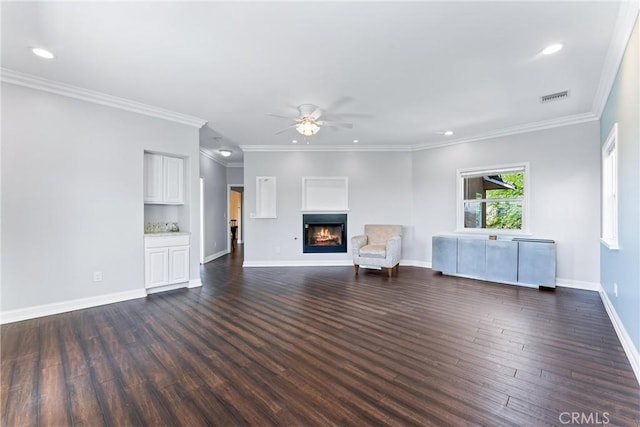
(379, 246)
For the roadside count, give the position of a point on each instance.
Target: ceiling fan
(308, 122)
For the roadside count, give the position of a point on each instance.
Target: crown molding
(262, 148)
(235, 165)
(212, 157)
(39, 83)
(627, 16)
(515, 130)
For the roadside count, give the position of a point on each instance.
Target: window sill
(497, 232)
(612, 245)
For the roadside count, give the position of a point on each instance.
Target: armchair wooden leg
(390, 271)
(356, 267)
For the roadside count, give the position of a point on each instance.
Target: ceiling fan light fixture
(224, 152)
(307, 126)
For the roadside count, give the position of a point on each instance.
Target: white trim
(622, 31)
(194, 283)
(210, 258)
(322, 181)
(65, 306)
(299, 263)
(212, 157)
(625, 339)
(279, 148)
(611, 245)
(515, 130)
(235, 165)
(51, 86)
(462, 173)
(164, 288)
(415, 263)
(610, 178)
(577, 284)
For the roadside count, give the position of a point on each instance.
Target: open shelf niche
(325, 194)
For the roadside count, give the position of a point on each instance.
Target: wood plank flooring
(321, 347)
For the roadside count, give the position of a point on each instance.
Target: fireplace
(324, 233)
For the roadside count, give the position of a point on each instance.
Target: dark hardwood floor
(320, 347)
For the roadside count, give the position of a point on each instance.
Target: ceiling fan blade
(338, 103)
(335, 124)
(316, 113)
(286, 129)
(339, 116)
(281, 116)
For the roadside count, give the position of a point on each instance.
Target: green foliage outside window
(506, 215)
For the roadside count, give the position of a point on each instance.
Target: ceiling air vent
(554, 96)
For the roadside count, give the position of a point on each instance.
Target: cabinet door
(179, 264)
(153, 182)
(444, 254)
(471, 257)
(537, 263)
(173, 180)
(156, 267)
(502, 261)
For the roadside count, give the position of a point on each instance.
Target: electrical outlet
(97, 276)
(615, 289)
(277, 249)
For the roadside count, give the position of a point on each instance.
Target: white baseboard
(299, 263)
(216, 255)
(65, 306)
(164, 288)
(625, 339)
(195, 283)
(415, 263)
(577, 284)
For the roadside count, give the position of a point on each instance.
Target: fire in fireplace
(324, 233)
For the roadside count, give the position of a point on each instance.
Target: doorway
(235, 205)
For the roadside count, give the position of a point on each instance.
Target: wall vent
(554, 96)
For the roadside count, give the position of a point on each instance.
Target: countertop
(168, 233)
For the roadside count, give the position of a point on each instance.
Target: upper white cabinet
(163, 179)
(153, 178)
(173, 185)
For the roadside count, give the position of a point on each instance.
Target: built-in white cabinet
(163, 179)
(166, 260)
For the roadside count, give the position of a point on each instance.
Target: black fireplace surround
(324, 233)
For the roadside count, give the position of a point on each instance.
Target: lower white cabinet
(166, 260)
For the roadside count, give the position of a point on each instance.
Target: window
(610, 189)
(494, 199)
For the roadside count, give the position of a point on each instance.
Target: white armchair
(380, 246)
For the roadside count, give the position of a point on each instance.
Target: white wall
(235, 175)
(565, 183)
(379, 192)
(216, 228)
(72, 196)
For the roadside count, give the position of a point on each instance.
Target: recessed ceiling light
(295, 141)
(42, 53)
(448, 133)
(355, 141)
(552, 49)
(224, 152)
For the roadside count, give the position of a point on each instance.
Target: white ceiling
(408, 70)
